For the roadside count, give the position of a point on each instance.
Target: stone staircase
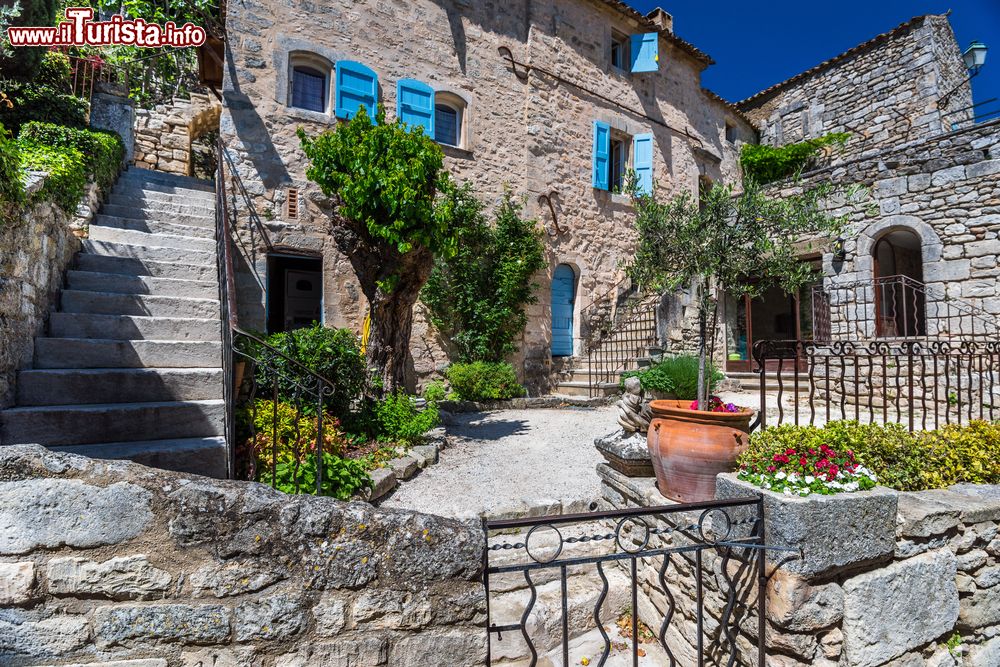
(132, 363)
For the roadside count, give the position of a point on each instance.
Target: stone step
(106, 353)
(137, 174)
(112, 385)
(133, 237)
(175, 213)
(110, 303)
(132, 327)
(204, 231)
(114, 422)
(184, 258)
(575, 388)
(164, 202)
(162, 192)
(138, 266)
(94, 281)
(199, 456)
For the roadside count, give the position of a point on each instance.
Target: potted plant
(721, 242)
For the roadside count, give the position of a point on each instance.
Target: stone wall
(884, 92)
(533, 135)
(884, 578)
(35, 250)
(106, 561)
(163, 135)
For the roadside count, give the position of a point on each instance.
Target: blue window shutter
(308, 89)
(642, 161)
(602, 154)
(357, 86)
(415, 105)
(645, 52)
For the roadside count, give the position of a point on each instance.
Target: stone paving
(513, 462)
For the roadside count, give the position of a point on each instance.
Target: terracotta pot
(690, 447)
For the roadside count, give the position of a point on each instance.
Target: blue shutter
(357, 86)
(602, 154)
(642, 161)
(645, 52)
(415, 105)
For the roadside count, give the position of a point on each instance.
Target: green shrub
(55, 71)
(399, 419)
(902, 460)
(332, 353)
(435, 391)
(22, 63)
(766, 164)
(676, 375)
(342, 478)
(484, 381)
(11, 177)
(31, 101)
(67, 179)
(103, 151)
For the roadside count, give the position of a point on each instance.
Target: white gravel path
(505, 462)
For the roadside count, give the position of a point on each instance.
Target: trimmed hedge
(11, 182)
(902, 460)
(484, 381)
(103, 151)
(67, 171)
(30, 101)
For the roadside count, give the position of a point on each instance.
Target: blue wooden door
(563, 290)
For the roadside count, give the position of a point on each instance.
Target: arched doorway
(899, 295)
(563, 299)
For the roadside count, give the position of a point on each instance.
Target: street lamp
(974, 57)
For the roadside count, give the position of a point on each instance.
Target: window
(449, 120)
(615, 153)
(309, 88)
(292, 204)
(731, 133)
(620, 51)
(619, 163)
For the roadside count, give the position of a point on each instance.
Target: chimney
(663, 20)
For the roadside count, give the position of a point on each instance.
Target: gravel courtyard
(505, 462)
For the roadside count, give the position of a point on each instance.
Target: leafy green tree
(477, 296)
(741, 243)
(384, 182)
(20, 63)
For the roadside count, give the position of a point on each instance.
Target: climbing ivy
(766, 164)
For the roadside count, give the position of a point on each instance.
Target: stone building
(553, 100)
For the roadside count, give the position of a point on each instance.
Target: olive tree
(389, 221)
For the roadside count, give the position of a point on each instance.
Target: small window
(309, 88)
(731, 133)
(447, 125)
(620, 51)
(292, 204)
(619, 162)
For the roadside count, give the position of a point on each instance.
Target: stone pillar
(114, 112)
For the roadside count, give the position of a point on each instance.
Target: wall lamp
(975, 58)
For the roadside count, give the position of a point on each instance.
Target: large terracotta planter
(690, 447)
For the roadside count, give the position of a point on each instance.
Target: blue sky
(757, 44)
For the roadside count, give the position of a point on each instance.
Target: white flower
(804, 492)
(810, 479)
(766, 485)
(781, 475)
(788, 491)
(792, 477)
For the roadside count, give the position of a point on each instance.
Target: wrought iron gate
(670, 549)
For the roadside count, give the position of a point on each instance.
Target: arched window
(449, 119)
(900, 302)
(309, 82)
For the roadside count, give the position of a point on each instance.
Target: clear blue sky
(757, 44)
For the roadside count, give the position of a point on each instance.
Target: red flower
(771, 468)
(803, 461)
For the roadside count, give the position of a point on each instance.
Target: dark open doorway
(899, 294)
(294, 292)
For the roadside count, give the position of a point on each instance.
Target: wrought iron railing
(86, 72)
(295, 395)
(681, 541)
(630, 336)
(896, 307)
(922, 384)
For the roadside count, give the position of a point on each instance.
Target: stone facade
(112, 563)
(883, 578)
(164, 134)
(533, 135)
(884, 92)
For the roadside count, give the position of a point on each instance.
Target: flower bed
(803, 472)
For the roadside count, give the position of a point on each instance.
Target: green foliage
(384, 179)
(902, 460)
(766, 164)
(8, 12)
(435, 392)
(477, 296)
(342, 478)
(55, 71)
(676, 375)
(484, 381)
(331, 353)
(67, 172)
(22, 63)
(103, 151)
(399, 419)
(30, 101)
(11, 183)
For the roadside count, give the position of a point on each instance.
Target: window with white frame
(309, 82)
(620, 51)
(449, 119)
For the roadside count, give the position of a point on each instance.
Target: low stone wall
(163, 135)
(884, 578)
(104, 561)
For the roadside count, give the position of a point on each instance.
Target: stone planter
(627, 454)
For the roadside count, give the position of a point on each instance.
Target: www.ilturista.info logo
(80, 29)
